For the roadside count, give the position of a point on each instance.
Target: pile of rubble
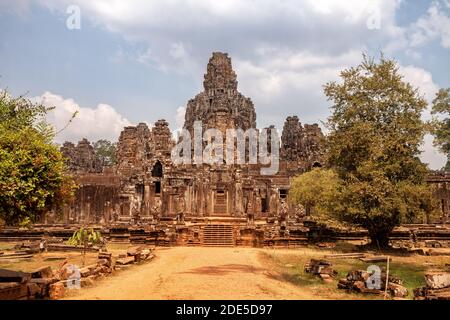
(359, 281)
(47, 284)
(134, 255)
(16, 285)
(321, 268)
(437, 287)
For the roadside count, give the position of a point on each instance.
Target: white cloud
(434, 25)
(180, 31)
(101, 122)
(435, 159)
(421, 79)
(179, 117)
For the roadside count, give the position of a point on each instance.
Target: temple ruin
(146, 195)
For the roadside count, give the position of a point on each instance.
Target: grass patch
(6, 245)
(289, 267)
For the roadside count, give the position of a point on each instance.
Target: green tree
(315, 190)
(441, 106)
(106, 152)
(32, 178)
(85, 237)
(375, 132)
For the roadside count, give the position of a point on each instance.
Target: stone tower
(220, 105)
(302, 144)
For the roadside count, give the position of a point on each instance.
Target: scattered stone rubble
(357, 281)
(437, 287)
(134, 255)
(16, 285)
(321, 268)
(47, 284)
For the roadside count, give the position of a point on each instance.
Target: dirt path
(197, 273)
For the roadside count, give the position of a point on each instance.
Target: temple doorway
(220, 202)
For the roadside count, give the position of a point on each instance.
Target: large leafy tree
(375, 132)
(106, 152)
(441, 107)
(32, 178)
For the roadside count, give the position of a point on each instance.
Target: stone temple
(146, 190)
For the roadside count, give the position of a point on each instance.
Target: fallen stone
(86, 282)
(34, 290)
(358, 286)
(44, 281)
(133, 251)
(14, 276)
(424, 293)
(439, 252)
(420, 251)
(326, 277)
(44, 272)
(105, 256)
(321, 268)
(375, 259)
(88, 270)
(103, 262)
(105, 270)
(124, 261)
(345, 256)
(397, 291)
(358, 275)
(437, 280)
(13, 291)
(57, 290)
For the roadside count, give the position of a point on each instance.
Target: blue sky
(140, 61)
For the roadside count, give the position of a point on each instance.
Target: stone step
(218, 235)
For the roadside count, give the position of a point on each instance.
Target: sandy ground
(197, 273)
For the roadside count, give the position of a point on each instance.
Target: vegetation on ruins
(441, 107)
(32, 178)
(106, 151)
(85, 237)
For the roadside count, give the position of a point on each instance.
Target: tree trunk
(379, 238)
(84, 253)
(307, 210)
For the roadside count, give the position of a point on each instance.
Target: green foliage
(315, 190)
(85, 236)
(106, 152)
(20, 113)
(374, 146)
(25, 223)
(441, 106)
(32, 176)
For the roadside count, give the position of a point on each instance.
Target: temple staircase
(218, 235)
